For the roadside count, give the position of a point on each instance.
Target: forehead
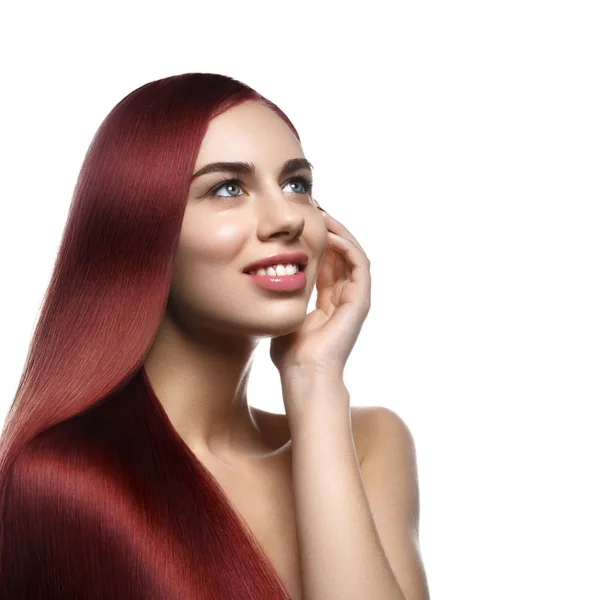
(248, 132)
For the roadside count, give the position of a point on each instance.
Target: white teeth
(277, 270)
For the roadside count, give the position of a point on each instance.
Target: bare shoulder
(376, 423)
(364, 426)
(381, 416)
(382, 423)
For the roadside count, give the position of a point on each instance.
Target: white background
(460, 143)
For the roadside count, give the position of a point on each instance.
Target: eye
(228, 183)
(306, 183)
(306, 186)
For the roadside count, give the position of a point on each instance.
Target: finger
(338, 228)
(359, 268)
(341, 267)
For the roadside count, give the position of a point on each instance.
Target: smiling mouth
(287, 282)
(262, 272)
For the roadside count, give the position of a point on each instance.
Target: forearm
(341, 556)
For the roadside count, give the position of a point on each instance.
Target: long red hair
(99, 495)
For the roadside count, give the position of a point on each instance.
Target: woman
(131, 464)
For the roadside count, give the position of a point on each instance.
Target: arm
(390, 477)
(341, 555)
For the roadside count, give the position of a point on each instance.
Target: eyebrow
(246, 168)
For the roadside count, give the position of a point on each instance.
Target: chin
(277, 325)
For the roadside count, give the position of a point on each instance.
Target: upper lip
(297, 258)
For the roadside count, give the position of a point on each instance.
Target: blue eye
(227, 183)
(307, 186)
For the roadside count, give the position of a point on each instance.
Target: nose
(279, 216)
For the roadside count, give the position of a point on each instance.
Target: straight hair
(99, 495)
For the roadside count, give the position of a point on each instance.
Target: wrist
(306, 379)
(307, 394)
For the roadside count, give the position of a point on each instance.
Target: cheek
(205, 262)
(214, 244)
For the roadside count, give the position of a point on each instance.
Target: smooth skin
(200, 360)
(357, 524)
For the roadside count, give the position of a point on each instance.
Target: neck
(201, 379)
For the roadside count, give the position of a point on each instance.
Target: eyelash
(306, 182)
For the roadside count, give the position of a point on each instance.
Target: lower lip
(280, 283)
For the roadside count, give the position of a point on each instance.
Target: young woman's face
(227, 226)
